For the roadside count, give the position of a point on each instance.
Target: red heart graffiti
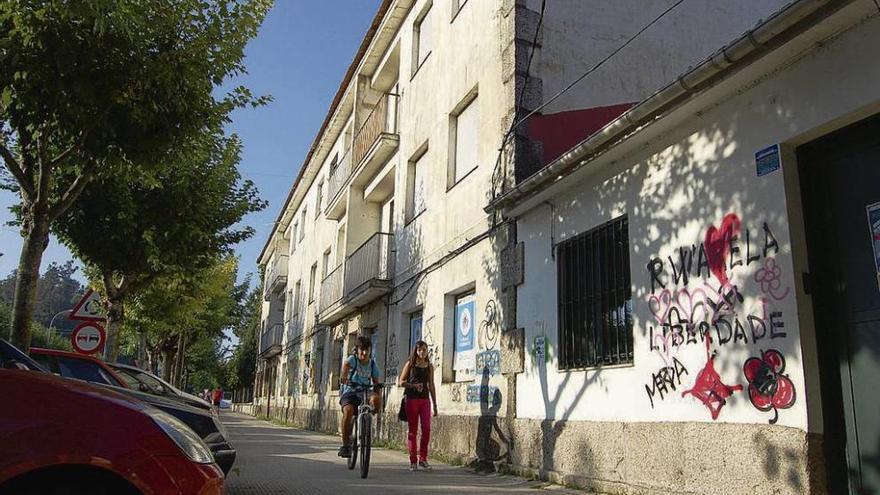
(717, 245)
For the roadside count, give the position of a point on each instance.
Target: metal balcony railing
(381, 120)
(371, 261)
(331, 288)
(272, 337)
(339, 177)
(277, 276)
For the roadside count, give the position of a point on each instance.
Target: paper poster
(874, 227)
(465, 309)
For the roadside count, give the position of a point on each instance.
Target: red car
(66, 436)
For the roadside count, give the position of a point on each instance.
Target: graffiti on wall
(488, 362)
(484, 394)
(694, 302)
(665, 380)
(489, 329)
(769, 388)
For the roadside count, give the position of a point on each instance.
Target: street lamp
(52, 321)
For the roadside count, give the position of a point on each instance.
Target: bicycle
(362, 430)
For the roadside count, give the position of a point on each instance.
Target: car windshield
(12, 358)
(84, 370)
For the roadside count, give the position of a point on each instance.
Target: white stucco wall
(577, 34)
(673, 190)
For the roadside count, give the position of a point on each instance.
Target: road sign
(89, 308)
(88, 338)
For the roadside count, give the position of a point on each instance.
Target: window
(422, 38)
(464, 134)
(415, 329)
(293, 372)
(319, 198)
(325, 264)
(337, 350)
(595, 297)
(318, 378)
(85, 370)
(312, 276)
(464, 336)
(416, 184)
(293, 237)
(296, 298)
(302, 231)
(307, 362)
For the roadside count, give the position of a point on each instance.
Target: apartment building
(448, 106)
(701, 297)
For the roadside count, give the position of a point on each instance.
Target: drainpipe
(781, 27)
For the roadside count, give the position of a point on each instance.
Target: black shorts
(352, 398)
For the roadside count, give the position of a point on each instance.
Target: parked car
(145, 381)
(87, 368)
(84, 439)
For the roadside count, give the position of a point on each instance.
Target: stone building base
(615, 458)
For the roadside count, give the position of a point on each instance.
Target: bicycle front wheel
(366, 440)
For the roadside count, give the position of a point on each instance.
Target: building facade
(701, 296)
(420, 213)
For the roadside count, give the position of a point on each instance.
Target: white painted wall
(673, 189)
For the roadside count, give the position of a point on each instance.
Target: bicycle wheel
(352, 461)
(366, 440)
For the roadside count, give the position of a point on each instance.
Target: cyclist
(359, 370)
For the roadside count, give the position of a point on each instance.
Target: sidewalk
(274, 459)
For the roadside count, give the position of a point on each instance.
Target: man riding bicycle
(358, 371)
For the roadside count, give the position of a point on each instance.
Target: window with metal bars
(595, 297)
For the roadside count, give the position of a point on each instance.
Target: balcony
(375, 142)
(338, 179)
(364, 277)
(276, 278)
(270, 340)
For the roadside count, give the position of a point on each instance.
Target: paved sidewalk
(279, 460)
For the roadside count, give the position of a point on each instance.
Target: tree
(128, 233)
(183, 316)
(104, 89)
(57, 291)
(243, 364)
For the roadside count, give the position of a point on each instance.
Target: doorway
(840, 181)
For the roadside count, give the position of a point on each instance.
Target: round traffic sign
(87, 338)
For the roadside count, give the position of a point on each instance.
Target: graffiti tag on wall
(488, 362)
(488, 394)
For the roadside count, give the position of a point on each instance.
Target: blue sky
(299, 57)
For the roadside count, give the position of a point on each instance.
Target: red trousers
(418, 411)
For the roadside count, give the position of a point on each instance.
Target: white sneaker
(424, 465)
(413, 467)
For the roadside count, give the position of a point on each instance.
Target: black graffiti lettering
(769, 241)
(665, 380)
(733, 246)
(685, 261)
(722, 322)
(739, 332)
(655, 268)
(776, 323)
(703, 262)
(749, 258)
(755, 323)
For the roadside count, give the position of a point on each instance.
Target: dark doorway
(840, 181)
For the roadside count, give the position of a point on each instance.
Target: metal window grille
(595, 297)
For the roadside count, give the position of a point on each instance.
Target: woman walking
(418, 380)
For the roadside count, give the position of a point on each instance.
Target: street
(279, 460)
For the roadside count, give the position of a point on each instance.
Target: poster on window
(465, 309)
(874, 226)
(415, 330)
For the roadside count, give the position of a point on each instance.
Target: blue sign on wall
(415, 330)
(767, 160)
(465, 328)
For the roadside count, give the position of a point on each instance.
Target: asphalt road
(278, 460)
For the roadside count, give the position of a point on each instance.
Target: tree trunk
(35, 241)
(115, 315)
(181, 354)
(167, 363)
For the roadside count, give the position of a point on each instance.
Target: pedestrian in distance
(417, 379)
(216, 397)
(359, 370)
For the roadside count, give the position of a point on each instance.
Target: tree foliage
(57, 291)
(243, 364)
(106, 88)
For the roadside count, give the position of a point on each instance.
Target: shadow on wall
(704, 231)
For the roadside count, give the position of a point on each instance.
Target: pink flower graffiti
(770, 279)
(769, 389)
